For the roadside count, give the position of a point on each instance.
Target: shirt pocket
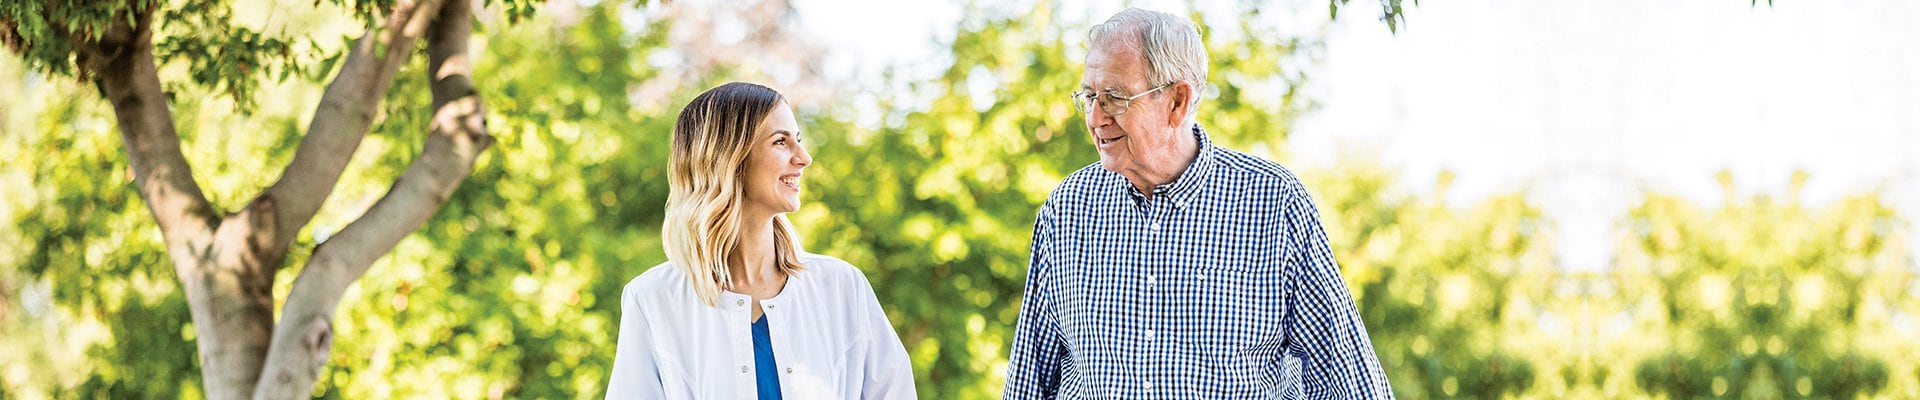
(675, 381)
(1231, 319)
(1239, 299)
(833, 372)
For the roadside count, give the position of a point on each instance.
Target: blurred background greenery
(509, 291)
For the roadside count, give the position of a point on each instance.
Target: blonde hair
(710, 145)
(1169, 44)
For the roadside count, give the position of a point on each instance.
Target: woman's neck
(751, 264)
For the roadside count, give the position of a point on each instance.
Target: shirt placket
(740, 336)
(1151, 334)
(782, 353)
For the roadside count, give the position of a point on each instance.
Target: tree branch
(341, 120)
(457, 137)
(126, 75)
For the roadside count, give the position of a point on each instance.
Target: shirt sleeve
(889, 373)
(1323, 326)
(1039, 352)
(635, 374)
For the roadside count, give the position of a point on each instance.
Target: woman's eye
(780, 142)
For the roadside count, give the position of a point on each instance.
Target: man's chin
(1109, 163)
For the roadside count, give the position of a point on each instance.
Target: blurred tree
(226, 261)
(1762, 297)
(1446, 294)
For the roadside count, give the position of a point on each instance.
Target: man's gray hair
(1170, 44)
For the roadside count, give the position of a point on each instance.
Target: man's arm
(1323, 325)
(1033, 368)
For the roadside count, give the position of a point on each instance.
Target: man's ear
(1181, 93)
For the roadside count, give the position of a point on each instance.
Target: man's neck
(1185, 152)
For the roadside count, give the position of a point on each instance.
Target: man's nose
(1097, 116)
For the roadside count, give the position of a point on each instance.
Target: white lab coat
(828, 333)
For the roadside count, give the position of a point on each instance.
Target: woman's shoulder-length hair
(711, 141)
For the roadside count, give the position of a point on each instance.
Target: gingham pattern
(1220, 287)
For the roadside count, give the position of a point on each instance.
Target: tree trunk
(228, 288)
(226, 263)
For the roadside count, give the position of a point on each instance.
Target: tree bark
(456, 138)
(227, 287)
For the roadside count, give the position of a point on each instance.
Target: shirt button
(1199, 277)
(743, 369)
(769, 306)
(1149, 334)
(1149, 385)
(740, 302)
(1149, 280)
(1155, 226)
(789, 370)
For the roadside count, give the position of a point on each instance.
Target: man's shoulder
(1252, 167)
(1080, 186)
(1246, 171)
(1087, 176)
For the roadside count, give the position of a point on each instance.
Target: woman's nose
(802, 157)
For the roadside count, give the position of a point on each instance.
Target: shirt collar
(1185, 188)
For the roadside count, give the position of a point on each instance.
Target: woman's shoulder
(831, 267)
(835, 273)
(659, 279)
(821, 260)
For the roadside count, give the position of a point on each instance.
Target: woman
(738, 311)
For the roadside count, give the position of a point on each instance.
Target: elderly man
(1178, 269)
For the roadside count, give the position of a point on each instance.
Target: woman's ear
(1181, 93)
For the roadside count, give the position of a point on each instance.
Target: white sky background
(1581, 104)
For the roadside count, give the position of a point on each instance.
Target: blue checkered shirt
(1221, 286)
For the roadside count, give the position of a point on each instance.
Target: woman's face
(771, 178)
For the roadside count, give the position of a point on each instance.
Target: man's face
(1140, 140)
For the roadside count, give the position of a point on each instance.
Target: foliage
(223, 53)
(1390, 12)
(89, 247)
(1450, 297)
(1764, 298)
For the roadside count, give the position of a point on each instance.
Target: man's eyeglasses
(1112, 104)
